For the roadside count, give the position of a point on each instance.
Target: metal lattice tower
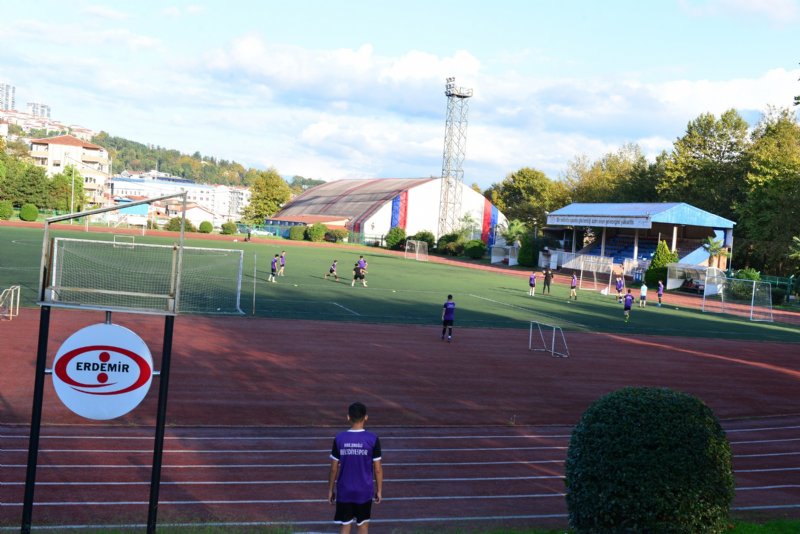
(455, 147)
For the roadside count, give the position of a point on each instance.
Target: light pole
(72, 193)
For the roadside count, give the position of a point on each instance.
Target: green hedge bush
(451, 249)
(29, 212)
(174, 225)
(425, 235)
(336, 235)
(297, 233)
(206, 227)
(316, 232)
(6, 209)
(395, 238)
(446, 239)
(229, 228)
(475, 249)
(649, 460)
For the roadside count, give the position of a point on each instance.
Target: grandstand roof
(635, 215)
(347, 199)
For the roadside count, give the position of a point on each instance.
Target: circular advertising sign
(102, 371)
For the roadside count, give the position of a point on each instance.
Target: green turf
(407, 292)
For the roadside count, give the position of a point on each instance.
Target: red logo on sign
(125, 361)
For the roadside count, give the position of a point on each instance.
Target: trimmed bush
(652, 276)
(395, 238)
(174, 225)
(452, 249)
(6, 209)
(649, 460)
(29, 212)
(337, 235)
(475, 249)
(229, 228)
(297, 233)
(316, 232)
(424, 235)
(446, 239)
(206, 227)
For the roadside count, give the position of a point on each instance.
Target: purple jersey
(619, 284)
(628, 301)
(274, 264)
(362, 263)
(283, 260)
(532, 280)
(449, 311)
(660, 288)
(355, 450)
(574, 283)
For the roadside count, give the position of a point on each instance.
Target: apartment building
(8, 97)
(56, 153)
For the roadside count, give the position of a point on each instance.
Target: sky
(355, 89)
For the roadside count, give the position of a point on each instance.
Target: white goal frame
(502, 254)
(537, 342)
(124, 241)
(416, 250)
(9, 302)
(754, 302)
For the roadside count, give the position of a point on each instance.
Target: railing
(9, 303)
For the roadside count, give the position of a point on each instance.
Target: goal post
(735, 296)
(548, 338)
(416, 250)
(504, 254)
(596, 274)
(9, 302)
(122, 240)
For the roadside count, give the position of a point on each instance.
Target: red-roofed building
(90, 160)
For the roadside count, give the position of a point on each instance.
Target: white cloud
(104, 12)
(779, 12)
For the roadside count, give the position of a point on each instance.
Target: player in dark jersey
(532, 284)
(448, 316)
(660, 292)
(332, 271)
(548, 277)
(273, 269)
(628, 302)
(619, 285)
(359, 274)
(355, 462)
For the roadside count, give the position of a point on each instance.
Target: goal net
(596, 274)
(9, 302)
(416, 250)
(547, 338)
(124, 241)
(144, 277)
(734, 296)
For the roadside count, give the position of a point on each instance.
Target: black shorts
(532, 285)
(332, 271)
(274, 272)
(447, 322)
(347, 512)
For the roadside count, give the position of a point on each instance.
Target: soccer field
(403, 291)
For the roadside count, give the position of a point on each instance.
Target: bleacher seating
(620, 247)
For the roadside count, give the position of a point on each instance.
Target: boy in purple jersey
(358, 274)
(362, 262)
(355, 461)
(660, 292)
(332, 271)
(573, 286)
(532, 284)
(627, 305)
(448, 316)
(282, 262)
(619, 285)
(273, 268)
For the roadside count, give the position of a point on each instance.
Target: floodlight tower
(455, 147)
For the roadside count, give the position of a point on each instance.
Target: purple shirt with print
(449, 310)
(628, 301)
(355, 450)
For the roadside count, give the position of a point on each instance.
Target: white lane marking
(345, 308)
(297, 438)
(281, 451)
(252, 466)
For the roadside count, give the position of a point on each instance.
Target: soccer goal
(9, 303)
(124, 241)
(547, 338)
(416, 250)
(734, 296)
(596, 274)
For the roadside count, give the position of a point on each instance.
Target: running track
(436, 477)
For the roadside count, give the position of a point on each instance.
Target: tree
(716, 250)
(707, 165)
(298, 184)
(769, 214)
(269, 192)
(513, 231)
(529, 194)
(604, 179)
(65, 191)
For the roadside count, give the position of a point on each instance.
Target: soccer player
(619, 285)
(362, 263)
(273, 269)
(356, 475)
(643, 295)
(660, 292)
(448, 316)
(332, 271)
(627, 306)
(548, 277)
(358, 274)
(573, 287)
(532, 284)
(283, 262)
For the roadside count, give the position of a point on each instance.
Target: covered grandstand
(630, 232)
(370, 208)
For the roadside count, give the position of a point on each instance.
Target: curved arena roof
(348, 199)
